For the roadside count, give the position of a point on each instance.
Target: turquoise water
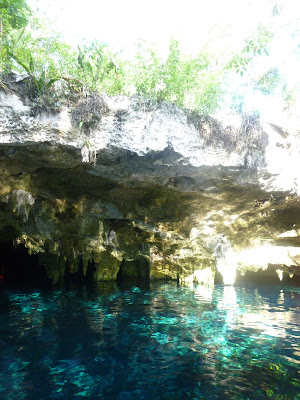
(158, 342)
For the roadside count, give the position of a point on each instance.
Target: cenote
(150, 200)
(155, 341)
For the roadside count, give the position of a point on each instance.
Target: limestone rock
(149, 192)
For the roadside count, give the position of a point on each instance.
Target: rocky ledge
(122, 188)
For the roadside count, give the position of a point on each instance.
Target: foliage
(99, 69)
(37, 53)
(145, 72)
(41, 82)
(291, 98)
(44, 59)
(256, 45)
(195, 82)
(269, 81)
(13, 15)
(189, 82)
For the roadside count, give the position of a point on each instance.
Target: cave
(134, 271)
(149, 261)
(268, 276)
(19, 268)
(149, 200)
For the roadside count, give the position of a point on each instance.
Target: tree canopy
(14, 14)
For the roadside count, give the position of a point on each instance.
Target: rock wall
(148, 192)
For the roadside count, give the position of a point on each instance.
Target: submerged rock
(149, 192)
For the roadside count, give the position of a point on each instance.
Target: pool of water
(161, 341)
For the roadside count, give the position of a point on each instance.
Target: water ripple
(163, 342)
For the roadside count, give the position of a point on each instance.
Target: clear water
(158, 342)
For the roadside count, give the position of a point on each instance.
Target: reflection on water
(163, 342)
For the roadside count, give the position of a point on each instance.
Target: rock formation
(145, 191)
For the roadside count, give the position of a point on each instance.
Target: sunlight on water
(162, 342)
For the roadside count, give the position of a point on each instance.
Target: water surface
(158, 342)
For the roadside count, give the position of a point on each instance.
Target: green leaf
(19, 62)
(36, 82)
(51, 81)
(31, 64)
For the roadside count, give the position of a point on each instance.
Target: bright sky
(122, 22)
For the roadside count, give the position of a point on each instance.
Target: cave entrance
(17, 267)
(134, 271)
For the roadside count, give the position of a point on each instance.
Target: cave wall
(147, 198)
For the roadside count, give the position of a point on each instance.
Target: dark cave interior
(18, 267)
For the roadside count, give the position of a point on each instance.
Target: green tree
(14, 14)
(189, 82)
(145, 72)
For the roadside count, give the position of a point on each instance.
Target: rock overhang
(178, 205)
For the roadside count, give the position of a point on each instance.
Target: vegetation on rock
(57, 74)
